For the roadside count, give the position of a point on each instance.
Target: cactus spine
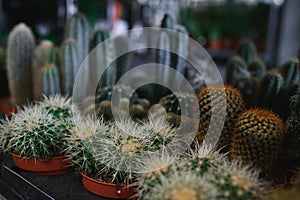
(104, 57)
(78, 28)
(70, 63)
(19, 51)
(39, 59)
(209, 100)
(50, 80)
(257, 138)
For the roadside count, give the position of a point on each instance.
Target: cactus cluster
(19, 51)
(209, 100)
(257, 138)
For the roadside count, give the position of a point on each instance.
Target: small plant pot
(108, 190)
(215, 44)
(55, 166)
(7, 108)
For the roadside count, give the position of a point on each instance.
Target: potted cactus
(36, 138)
(109, 155)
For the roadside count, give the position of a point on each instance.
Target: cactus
(208, 100)
(168, 22)
(269, 89)
(19, 51)
(236, 68)
(49, 80)
(236, 182)
(257, 138)
(257, 68)
(39, 59)
(33, 134)
(78, 29)
(70, 64)
(172, 103)
(290, 72)
(2, 58)
(247, 51)
(104, 58)
(53, 56)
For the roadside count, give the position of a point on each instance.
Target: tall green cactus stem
(70, 64)
(209, 100)
(53, 56)
(19, 51)
(236, 68)
(257, 68)
(39, 59)
(269, 89)
(50, 80)
(247, 51)
(78, 28)
(290, 72)
(257, 138)
(2, 58)
(103, 57)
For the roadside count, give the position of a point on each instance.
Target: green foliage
(257, 138)
(19, 51)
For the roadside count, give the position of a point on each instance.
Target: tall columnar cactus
(290, 72)
(236, 68)
(247, 51)
(257, 138)
(70, 64)
(103, 58)
(269, 89)
(19, 51)
(39, 59)
(257, 68)
(78, 28)
(49, 80)
(209, 100)
(53, 56)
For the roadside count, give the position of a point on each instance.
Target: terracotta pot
(7, 108)
(215, 44)
(108, 190)
(55, 166)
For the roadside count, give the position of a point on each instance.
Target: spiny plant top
(295, 103)
(236, 181)
(33, 133)
(182, 186)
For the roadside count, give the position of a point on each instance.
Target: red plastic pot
(55, 166)
(108, 190)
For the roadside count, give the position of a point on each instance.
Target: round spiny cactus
(236, 182)
(34, 134)
(257, 138)
(172, 103)
(80, 149)
(209, 99)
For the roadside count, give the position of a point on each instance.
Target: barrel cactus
(78, 29)
(49, 81)
(70, 63)
(209, 100)
(39, 59)
(257, 138)
(103, 57)
(33, 134)
(19, 51)
(247, 51)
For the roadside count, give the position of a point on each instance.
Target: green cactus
(49, 80)
(236, 68)
(19, 51)
(2, 58)
(33, 134)
(39, 59)
(247, 51)
(290, 72)
(103, 58)
(70, 64)
(173, 101)
(78, 29)
(269, 90)
(209, 100)
(168, 22)
(53, 56)
(257, 138)
(257, 68)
